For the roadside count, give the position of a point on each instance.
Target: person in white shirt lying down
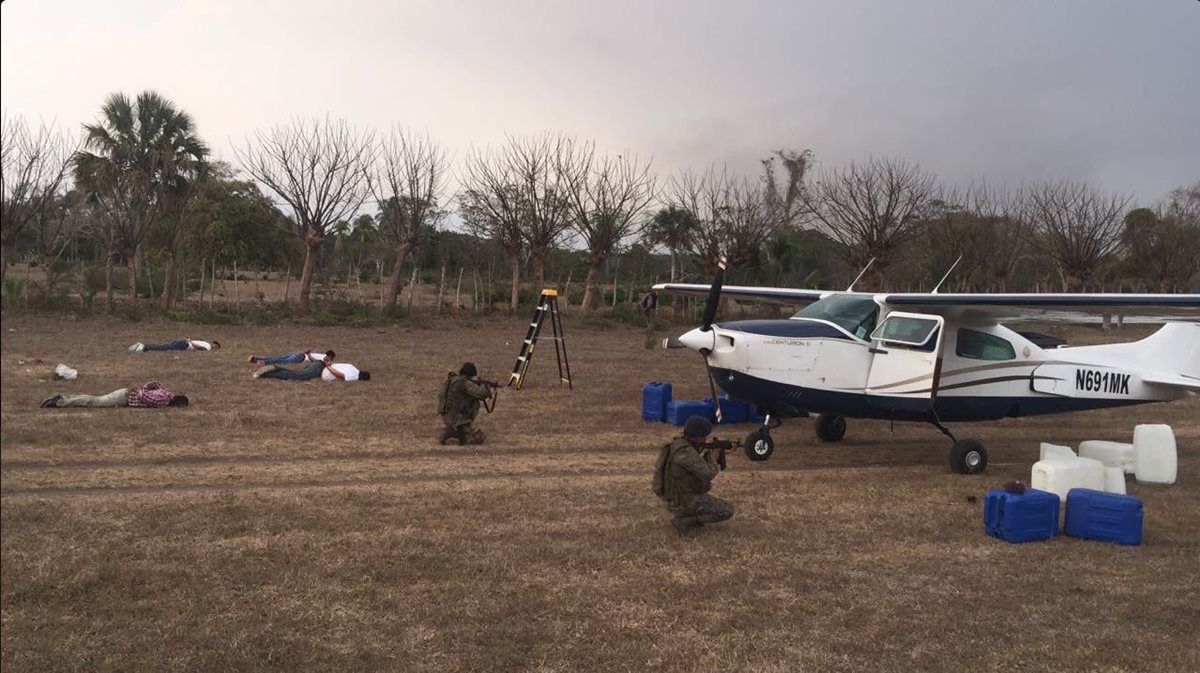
(177, 345)
(343, 371)
(296, 358)
(327, 370)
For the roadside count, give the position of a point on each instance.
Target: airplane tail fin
(1176, 345)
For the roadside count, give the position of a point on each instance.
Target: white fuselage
(962, 372)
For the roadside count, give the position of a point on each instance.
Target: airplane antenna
(948, 272)
(860, 275)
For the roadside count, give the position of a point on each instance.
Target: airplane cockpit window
(918, 332)
(983, 346)
(855, 314)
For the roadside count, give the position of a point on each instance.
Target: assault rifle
(720, 446)
(490, 403)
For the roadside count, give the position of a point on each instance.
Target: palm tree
(140, 163)
(671, 227)
(782, 252)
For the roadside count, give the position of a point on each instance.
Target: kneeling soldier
(683, 476)
(459, 405)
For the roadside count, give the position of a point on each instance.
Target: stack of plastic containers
(1059, 475)
(1112, 454)
(658, 405)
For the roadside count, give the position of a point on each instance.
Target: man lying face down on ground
(325, 369)
(177, 345)
(150, 395)
(306, 357)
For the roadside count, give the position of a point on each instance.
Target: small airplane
(934, 358)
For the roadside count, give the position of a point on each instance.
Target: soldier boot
(450, 432)
(684, 524)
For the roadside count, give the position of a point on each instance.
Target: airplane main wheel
(759, 445)
(968, 456)
(831, 428)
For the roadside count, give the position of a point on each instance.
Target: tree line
(138, 189)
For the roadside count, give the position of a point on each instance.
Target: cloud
(1010, 91)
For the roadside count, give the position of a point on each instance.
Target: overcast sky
(1106, 91)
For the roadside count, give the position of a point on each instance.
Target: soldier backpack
(660, 469)
(444, 396)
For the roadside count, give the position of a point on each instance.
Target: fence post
(287, 283)
(441, 288)
(458, 290)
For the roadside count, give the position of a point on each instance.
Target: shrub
(627, 313)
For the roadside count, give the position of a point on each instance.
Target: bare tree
(493, 207)
(609, 198)
(733, 219)
(66, 220)
(872, 210)
(409, 189)
(980, 226)
(33, 164)
(1164, 243)
(1182, 211)
(520, 196)
(321, 169)
(1077, 226)
(785, 198)
(544, 169)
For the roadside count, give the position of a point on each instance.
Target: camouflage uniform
(463, 396)
(687, 478)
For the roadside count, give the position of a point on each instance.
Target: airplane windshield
(855, 314)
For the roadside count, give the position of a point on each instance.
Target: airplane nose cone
(698, 339)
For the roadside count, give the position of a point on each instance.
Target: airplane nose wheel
(759, 445)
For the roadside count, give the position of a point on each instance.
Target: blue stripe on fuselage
(788, 400)
(799, 328)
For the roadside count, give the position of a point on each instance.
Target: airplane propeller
(710, 314)
(714, 297)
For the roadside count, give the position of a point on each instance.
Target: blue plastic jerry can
(1023, 517)
(655, 397)
(678, 411)
(1096, 515)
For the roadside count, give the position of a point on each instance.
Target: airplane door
(905, 364)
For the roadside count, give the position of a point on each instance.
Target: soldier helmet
(468, 369)
(697, 426)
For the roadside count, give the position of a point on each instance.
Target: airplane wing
(766, 295)
(970, 306)
(1048, 307)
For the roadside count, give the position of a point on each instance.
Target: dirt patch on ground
(317, 526)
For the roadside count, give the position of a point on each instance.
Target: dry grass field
(279, 526)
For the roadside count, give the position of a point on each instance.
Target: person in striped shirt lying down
(150, 395)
